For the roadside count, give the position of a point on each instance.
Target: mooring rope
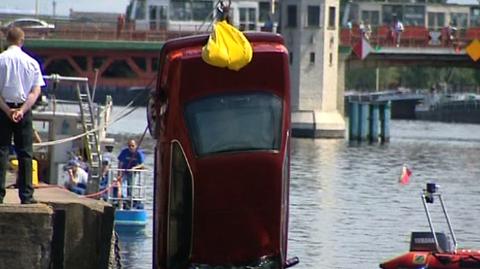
(100, 127)
(99, 193)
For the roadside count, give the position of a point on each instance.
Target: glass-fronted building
(416, 13)
(196, 15)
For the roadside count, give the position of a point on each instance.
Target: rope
(100, 127)
(98, 194)
(141, 138)
(64, 140)
(203, 23)
(91, 195)
(118, 116)
(222, 9)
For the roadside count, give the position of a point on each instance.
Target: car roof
(200, 40)
(26, 20)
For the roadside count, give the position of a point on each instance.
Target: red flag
(362, 48)
(405, 177)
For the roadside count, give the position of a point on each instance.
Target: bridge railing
(103, 31)
(412, 36)
(381, 36)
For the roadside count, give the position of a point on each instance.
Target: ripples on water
(347, 209)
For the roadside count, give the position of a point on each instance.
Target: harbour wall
(62, 231)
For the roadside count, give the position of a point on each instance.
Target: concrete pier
(317, 124)
(62, 231)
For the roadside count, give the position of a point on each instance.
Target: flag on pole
(362, 48)
(405, 177)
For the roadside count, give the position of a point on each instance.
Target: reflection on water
(136, 250)
(346, 206)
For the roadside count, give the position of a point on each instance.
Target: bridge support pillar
(374, 123)
(385, 116)
(314, 69)
(317, 124)
(369, 121)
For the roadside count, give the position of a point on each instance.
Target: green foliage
(413, 77)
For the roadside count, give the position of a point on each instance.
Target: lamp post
(54, 8)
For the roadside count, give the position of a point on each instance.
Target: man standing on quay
(20, 82)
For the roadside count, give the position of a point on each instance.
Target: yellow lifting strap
(227, 47)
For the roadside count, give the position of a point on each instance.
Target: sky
(45, 7)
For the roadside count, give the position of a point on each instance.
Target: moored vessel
(457, 108)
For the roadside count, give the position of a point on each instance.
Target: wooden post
(385, 122)
(374, 122)
(353, 121)
(364, 121)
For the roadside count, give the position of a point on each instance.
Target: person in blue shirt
(129, 158)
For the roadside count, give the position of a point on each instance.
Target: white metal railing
(127, 187)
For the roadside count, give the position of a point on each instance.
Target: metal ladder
(91, 140)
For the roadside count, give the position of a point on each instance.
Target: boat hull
(422, 259)
(455, 111)
(130, 220)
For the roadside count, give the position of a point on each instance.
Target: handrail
(412, 36)
(136, 191)
(428, 196)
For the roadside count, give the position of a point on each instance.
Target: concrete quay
(63, 230)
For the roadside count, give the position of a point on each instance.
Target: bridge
(405, 56)
(115, 63)
(418, 46)
(130, 59)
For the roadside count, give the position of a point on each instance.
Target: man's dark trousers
(22, 138)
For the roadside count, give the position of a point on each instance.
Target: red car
(222, 158)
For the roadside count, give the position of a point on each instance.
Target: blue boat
(130, 212)
(132, 220)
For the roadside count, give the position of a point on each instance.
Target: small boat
(79, 128)
(130, 214)
(434, 250)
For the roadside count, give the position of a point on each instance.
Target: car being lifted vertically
(222, 158)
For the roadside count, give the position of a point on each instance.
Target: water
(347, 209)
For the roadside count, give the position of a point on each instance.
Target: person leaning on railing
(129, 158)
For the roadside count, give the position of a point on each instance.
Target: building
(432, 15)
(197, 15)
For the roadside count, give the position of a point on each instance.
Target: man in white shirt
(20, 82)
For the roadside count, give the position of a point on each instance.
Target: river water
(347, 209)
